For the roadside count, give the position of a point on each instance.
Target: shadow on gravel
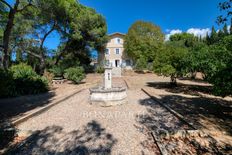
(91, 139)
(14, 107)
(182, 88)
(215, 110)
(159, 120)
(201, 110)
(167, 128)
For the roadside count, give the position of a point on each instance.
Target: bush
(58, 71)
(49, 76)
(7, 86)
(141, 64)
(75, 74)
(100, 69)
(21, 80)
(22, 71)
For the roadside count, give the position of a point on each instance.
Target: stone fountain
(107, 95)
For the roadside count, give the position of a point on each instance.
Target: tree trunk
(7, 33)
(61, 54)
(42, 65)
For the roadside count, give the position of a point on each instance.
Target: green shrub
(21, 80)
(58, 71)
(75, 74)
(141, 64)
(22, 71)
(7, 85)
(100, 69)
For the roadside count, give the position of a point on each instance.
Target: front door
(117, 63)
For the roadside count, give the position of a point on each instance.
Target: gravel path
(75, 126)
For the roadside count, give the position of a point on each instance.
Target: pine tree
(225, 30)
(214, 36)
(220, 34)
(207, 38)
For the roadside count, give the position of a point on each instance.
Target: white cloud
(199, 32)
(228, 27)
(172, 32)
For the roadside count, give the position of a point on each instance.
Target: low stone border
(45, 108)
(170, 110)
(179, 133)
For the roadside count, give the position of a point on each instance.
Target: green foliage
(213, 58)
(21, 80)
(80, 28)
(226, 7)
(143, 39)
(186, 39)
(171, 61)
(22, 71)
(58, 71)
(67, 62)
(218, 68)
(141, 64)
(222, 81)
(75, 74)
(7, 86)
(100, 69)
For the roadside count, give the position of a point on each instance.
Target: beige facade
(114, 54)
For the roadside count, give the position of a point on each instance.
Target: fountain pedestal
(108, 95)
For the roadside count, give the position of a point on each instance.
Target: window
(118, 40)
(107, 51)
(117, 51)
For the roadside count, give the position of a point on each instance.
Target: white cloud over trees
(195, 31)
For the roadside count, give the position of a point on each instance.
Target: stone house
(115, 55)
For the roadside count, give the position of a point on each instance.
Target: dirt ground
(75, 126)
(193, 100)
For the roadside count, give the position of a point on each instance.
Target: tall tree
(144, 39)
(171, 61)
(87, 31)
(225, 30)
(17, 7)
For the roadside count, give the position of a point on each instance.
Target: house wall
(122, 57)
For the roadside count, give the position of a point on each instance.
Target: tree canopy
(27, 24)
(143, 41)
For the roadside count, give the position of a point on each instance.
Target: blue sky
(168, 14)
(173, 16)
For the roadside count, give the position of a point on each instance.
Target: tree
(87, 31)
(186, 39)
(171, 61)
(226, 7)
(49, 16)
(144, 39)
(225, 30)
(17, 7)
(218, 67)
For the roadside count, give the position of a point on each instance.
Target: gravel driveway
(76, 127)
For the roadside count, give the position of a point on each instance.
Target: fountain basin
(108, 97)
